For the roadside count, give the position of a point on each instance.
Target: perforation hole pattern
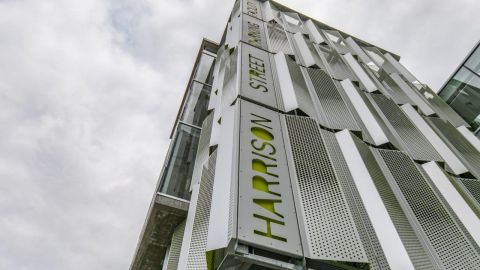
(335, 110)
(372, 247)
(413, 140)
(459, 143)
(278, 39)
(405, 230)
(330, 228)
(175, 247)
(450, 244)
(196, 255)
(472, 186)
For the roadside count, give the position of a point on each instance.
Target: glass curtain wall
(462, 91)
(177, 175)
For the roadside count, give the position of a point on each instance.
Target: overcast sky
(89, 91)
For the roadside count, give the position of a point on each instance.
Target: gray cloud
(89, 91)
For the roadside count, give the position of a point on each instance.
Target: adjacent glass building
(299, 146)
(462, 90)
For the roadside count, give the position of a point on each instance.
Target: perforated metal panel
(202, 150)
(393, 89)
(336, 66)
(445, 236)
(457, 215)
(330, 229)
(278, 41)
(336, 41)
(196, 255)
(442, 108)
(411, 139)
(293, 22)
(276, 84)
(405, 230)
(302, 94)
(467, 153)
(334, 112)
(175, 247)
(472, 186)
(375, 255)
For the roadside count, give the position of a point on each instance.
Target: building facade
(298, 146)
(462, 90)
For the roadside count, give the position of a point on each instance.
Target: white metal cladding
(175, 248)
(472, 139)
(357, 50)
(253, 32)
(330, 229)
(379, 59)
(202, 149)
(256, 80)
(293, 22)
(466, 152)
(292, 85)
(217, 79)
(400, 68)
(217, 94)
(276, 82)
(252, 8)
(452, 161)
(230, 80)
(266, 212)
(305, 102)
(336, 41)
(454, 199)
(334, 113)
(373, 250)
(442, 108)
(319, 61)
(313, 32)
(285, 83)
(360, 73)
(450, 244)
(393, 248)
(305, 55)
(365, 114)
(235, 31)
(393, 89)
(412, 94)
(269, 13)
(225, 174)
(407, 232)
(450, 210)
(277, 39)
(334, 63)
(197, 259)
(182, 261)
(411, 139)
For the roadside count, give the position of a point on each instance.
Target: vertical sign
(256, 76)
(253, 32)
(252, 8)
(266, 213)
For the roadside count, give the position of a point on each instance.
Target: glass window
(196, 104)
(464, 95)
(177, 175)
(204, 72)
(473, 61)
